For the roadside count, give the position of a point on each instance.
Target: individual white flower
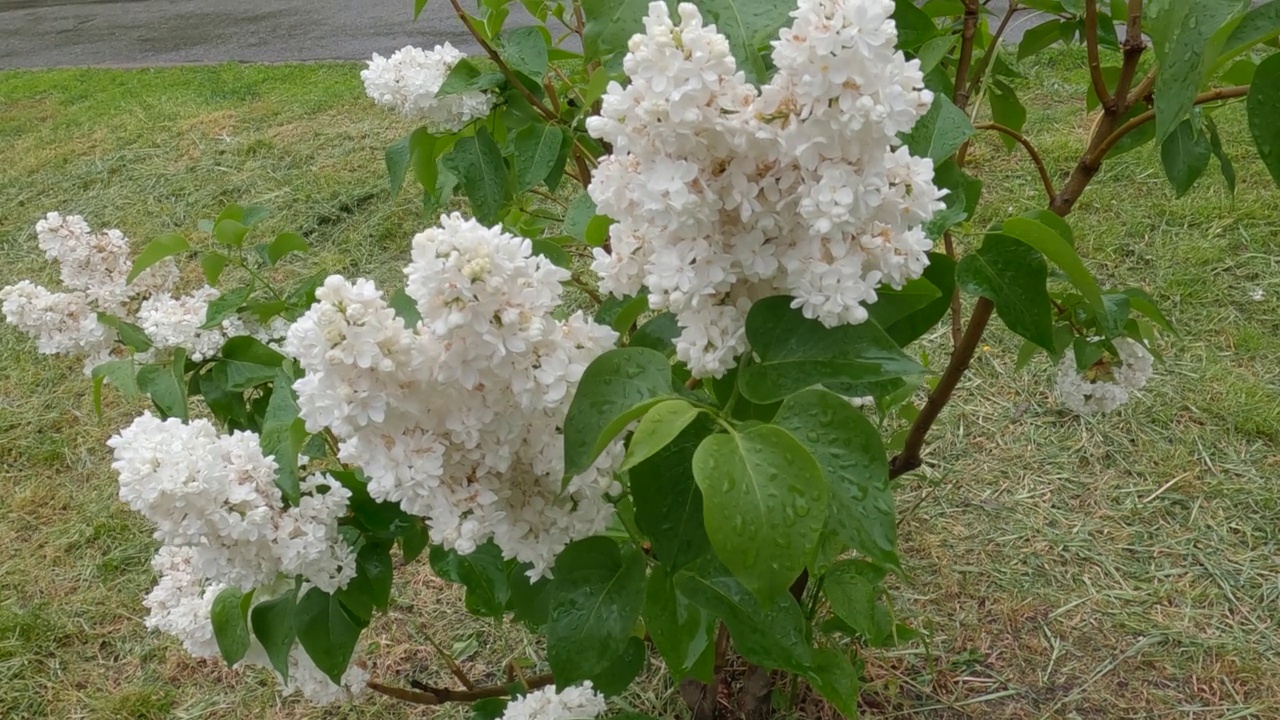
(409, 79)
(723, 192)
(576, 702)
(1092, 391)
(1258, 294)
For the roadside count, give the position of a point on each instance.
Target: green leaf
(284, 244)
(283, 433)
(134, 337)
(1224, 160)
(1006, 110)
(681, 630)
(326, 631)
(618, 676)
(162, 247)
(552, 252)
(765, 502)
(537, 148)
(852, 595)
(597, 231)
(230, 233)
(749, 25)
(251, 350)
(941, 273)
(1180, 32)
(413, 540)
(483, 572)
(834, 677)
(915, 28)
(662, 424)
(165, 391)
(371, 587)
(772, 634)
(1143, 134)
(893, 305)
(941, 132)
(1260, 24)
(272, 622)
(418, 5)
(1039, 37)
(525, 50)
(406, 308)
(1264, 109)
(621, 313)
(657, 333)
(616, 388)
(848, 450)
(576, 219)
(797, 353)
(1060, 252)
(397, 158)
(668, 503)
(1013, 275)
(529, 601)
(963, 192)
(1185, 155)
(226, 304)
(477, 161)
(932, 52)
(595, 599)
(610, 25)
(1139, 300)
(467, 77)
(121, 374)
(212, 264)
(229, 627)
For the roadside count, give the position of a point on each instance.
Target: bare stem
(1095, 61)
(984, 64)
(961, 95)
(427, 695)
(1031, 150)
(1134, 46)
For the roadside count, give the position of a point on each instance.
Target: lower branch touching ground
(427, 695)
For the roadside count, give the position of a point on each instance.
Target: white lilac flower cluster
(457, 419)
(409, 79)
(222, 523)
(94, 267)
(1091, 391)
(576, 702)
(724, 193)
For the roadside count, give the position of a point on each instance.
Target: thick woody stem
(970, 29)
(1134, 46)
(1095, 61)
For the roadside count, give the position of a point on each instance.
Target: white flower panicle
(223, 523)
(409, 79)
(94, 267)
(576, 702)
(725, 194)
(1092, 391)
(457, 419)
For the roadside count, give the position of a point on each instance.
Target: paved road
(50, 33)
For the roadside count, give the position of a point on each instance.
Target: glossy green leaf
(371, 587)
(283, 433)
(618, 676)
(120, 373)
(537, 148)
(941, 273)
(576, 219)
(797, 353)
(166, 392)
(1006, 110)
(397, 159)
(272, 622)
(483, 572)
(1264, 109)
(477, 162)
(327, 632)
(230, 233)
(230, 630)
(1224, 160)
(657, 429)
(249, 349)
(963, 192)
(610, 25)
(616, 388)
(1140, 136)
(406, 308)
(212, 264)
(667, 501)
(414, 539)
(467, 77)
(749, 25)
(771, 634)
(225, 305)
(657, 333)
(1140, 301)
(915, 28)
(893, 305)
(418, 5)
(835, 678)
(681, 630)
(621, 313)
(1060, 252)
(1039, 37)
(1185, 156)
(553, 252)
(852, 595)
(525, 50)
(934, 51)
(852, 458)
(158, 249)
(284, 244)
(595, 598)
(132, 336)
(941, 132)
(1180, 32)
(1260, 24)
(764, 503)
(1014, 276)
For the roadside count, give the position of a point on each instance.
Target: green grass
(1055, 573)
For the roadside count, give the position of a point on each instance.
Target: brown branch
(909, 459)
(960, 96)
(1140, 93)
(1095, 61)
(1134, 46)
(956, 329)
(502, 65)
(1031, 150)
(984, 64)
(427, 695)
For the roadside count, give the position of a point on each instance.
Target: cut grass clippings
(1126, 565)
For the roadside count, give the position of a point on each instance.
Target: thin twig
(1095, 61)
(1140, 120)
(427, 695)
(1031, 150)
(980, 71)
(549, 196)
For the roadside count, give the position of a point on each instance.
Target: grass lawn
(1123, 566)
